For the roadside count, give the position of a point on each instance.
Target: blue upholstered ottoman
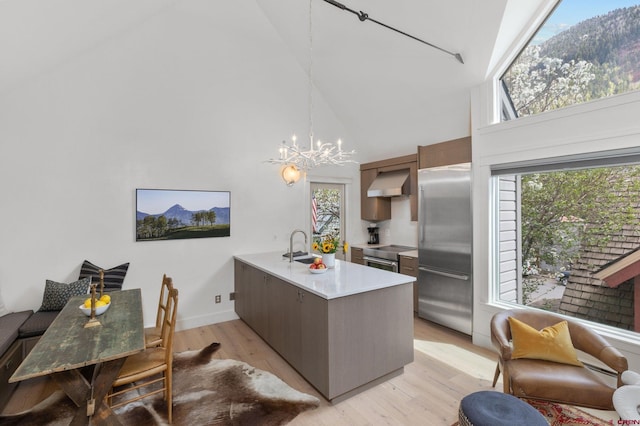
(489, 408)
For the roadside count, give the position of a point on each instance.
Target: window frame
(345, 219)
(333, 186)
(605, 158)
(502, 105)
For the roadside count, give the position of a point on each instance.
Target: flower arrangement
(329, 244)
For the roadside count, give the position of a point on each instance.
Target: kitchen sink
(301, 256)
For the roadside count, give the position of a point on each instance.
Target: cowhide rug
(206, 391)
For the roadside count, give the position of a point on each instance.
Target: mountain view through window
(585, 50)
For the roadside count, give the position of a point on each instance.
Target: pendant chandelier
(294, 158)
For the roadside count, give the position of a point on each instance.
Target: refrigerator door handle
(421, 218)
(464, 277)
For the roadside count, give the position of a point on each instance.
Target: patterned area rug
(562, 415)
(206, 391)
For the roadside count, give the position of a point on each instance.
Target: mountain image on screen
(184, 216)
(178, 223)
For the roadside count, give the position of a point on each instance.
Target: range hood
(389, 184)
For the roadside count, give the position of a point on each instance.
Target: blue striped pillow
(113, 278)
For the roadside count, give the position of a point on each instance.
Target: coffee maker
(374, 237)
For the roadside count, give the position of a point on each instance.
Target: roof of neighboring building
(620, 270)
(590, 298)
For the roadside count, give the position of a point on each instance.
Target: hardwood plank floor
(446, 367)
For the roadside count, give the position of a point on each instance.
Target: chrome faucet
(291, 242)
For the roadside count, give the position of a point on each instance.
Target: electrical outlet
(218, 298)
(232, 296)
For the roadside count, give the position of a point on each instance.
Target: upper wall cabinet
(379, 208)
(455, 151)
(372, 208)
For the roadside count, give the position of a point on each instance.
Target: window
(327, 212)
(583, 51)
(558, 225)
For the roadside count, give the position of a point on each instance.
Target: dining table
(84, 355)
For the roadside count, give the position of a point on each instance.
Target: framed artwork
(164, 214)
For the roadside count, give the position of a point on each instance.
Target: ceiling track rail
(362, 16)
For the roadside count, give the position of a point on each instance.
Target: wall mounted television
(169, 214)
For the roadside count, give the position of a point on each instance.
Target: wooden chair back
(154, 365)
(169, 324)
(153, 337)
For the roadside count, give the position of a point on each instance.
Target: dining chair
(147, 368)
(153, 336)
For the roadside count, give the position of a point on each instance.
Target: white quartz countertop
(345, 279)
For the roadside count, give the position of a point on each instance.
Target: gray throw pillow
(56, 295)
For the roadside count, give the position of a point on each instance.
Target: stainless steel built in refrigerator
(445, 284)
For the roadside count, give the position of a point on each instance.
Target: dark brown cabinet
(372, 208)
(294, 330)
(409, 266)
(286, 317)
(455, 151)
(312, 314)
(283, 329)
(357, 255)
(379, 208)
(241, 290)
(251, 292)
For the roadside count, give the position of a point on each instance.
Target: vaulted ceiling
(367, 74)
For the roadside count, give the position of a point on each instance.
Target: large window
(585, 50)
(560, 224)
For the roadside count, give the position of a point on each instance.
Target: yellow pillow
(552, 343)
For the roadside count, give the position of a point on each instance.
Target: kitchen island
(344, 331)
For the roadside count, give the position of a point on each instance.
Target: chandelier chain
(311, 74)
(295, 157)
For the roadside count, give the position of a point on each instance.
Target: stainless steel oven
(385, 257)
(376, 262)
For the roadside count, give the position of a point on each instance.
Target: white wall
(605, 124)
(194, 97)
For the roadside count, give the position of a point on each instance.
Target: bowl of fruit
(317, 267)
(102, 304)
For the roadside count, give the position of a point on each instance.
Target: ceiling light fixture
(290, 174)
(295, 158)
(362, 16)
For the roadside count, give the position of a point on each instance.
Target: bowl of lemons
(102, 304)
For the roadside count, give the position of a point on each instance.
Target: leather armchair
(552, 381)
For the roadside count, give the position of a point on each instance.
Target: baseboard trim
(202, 320)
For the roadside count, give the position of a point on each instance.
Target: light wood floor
(446, 367)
